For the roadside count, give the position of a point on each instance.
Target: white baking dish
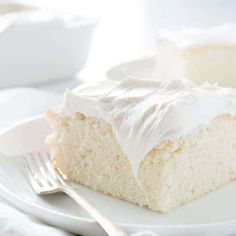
(38, 45)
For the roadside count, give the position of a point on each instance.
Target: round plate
(213, 214)
(141, 68)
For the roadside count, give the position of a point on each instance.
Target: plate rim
(111, 70)
(87, 220)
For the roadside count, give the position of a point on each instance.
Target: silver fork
(45, 179)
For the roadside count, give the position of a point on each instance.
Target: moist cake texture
(158, 144)
(198, 54)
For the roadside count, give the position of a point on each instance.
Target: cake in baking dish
(198, 54)
(158, 144)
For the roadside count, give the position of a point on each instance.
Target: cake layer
(158, 144)
(198, 54)
(174, 172)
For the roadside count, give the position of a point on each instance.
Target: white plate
(141, 68)
(214, 214)
(36, 48)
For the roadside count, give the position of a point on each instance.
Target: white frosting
(14, 15)
(143, 113)
(189, 37)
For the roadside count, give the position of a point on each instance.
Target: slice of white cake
(158, 144)
(198, 54)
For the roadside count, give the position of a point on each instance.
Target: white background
(127, 28)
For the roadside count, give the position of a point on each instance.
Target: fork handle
(109, 227)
